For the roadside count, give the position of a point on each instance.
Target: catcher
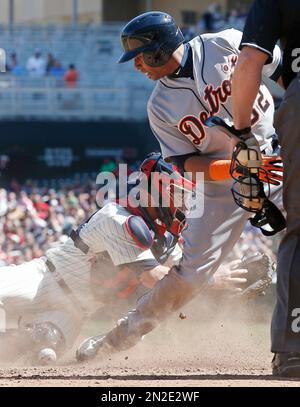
(117, 255)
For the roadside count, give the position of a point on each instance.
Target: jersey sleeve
(263, 26)
(120, 245)
(231, 38)
(273, 69)
(172, 142)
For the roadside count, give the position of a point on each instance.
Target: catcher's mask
(250, 194)
(167, 188)
(247, 189)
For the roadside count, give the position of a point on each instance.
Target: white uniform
(32, 292)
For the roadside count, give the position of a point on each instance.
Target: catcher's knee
(39, 343)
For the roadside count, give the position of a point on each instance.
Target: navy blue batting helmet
(154, 34)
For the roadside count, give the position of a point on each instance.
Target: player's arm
(246, 81)
(134, 240)
(252, 63)
(211, 168)
(257, 50)
(219, 170)
(157, 262)
(147, 271)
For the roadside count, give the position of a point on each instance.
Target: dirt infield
(208, 348)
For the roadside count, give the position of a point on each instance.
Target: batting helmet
(154, 34)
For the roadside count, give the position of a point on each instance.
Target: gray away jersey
(179, 107)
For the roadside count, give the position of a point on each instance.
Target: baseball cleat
(286, 364)
(89, 348)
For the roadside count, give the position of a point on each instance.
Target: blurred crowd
(216, 19)
(34, 218)
(38, 67)
(213, 19)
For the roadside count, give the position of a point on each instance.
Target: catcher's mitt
(260, 272)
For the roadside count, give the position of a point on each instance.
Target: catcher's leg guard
(39, 336)
(44, 335)
(168, 295)
(29, 340)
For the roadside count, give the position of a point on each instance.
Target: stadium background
(59, 129)
(57, 133)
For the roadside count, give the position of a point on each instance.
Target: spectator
(212, 19)
(108, 165)
(188, 32)
(50, 62)
(207, 19)
(71, 76)
(36, 65)
(57, 70)
(232, 18)
(218, 19)
(14, 67)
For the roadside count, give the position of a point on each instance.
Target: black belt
(78, 242)
(66, 289)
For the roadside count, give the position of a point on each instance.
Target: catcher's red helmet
(167, 186)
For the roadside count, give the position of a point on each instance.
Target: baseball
(47, 356)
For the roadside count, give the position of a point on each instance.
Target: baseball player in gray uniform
(193, 84)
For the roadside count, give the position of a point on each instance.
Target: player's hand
(228, 278)
(247, 154)
(260, 275)
(272, 170)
